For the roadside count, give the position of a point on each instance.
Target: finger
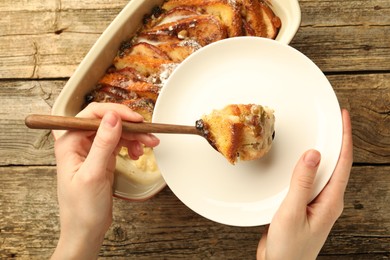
(262, 244)
(146, 139)
(72, 147)
(330, 202)
(301, 186)
(339, 180)
(97, 110)
(134, 149)
(135, 144)
(104, 143)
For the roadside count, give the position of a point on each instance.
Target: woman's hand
(85, 173)
(299, 228)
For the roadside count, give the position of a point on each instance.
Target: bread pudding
(169, 34)
(242, 132)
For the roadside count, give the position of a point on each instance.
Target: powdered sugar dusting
(190, 43)
(160, 78)
(232, 3)
(166, 71)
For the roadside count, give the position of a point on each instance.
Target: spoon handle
(52, 122)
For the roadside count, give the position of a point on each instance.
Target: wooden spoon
(76, 123)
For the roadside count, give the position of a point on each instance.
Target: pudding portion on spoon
(239, 131)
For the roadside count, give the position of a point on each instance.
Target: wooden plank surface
(164, 228)
(42, 43)
(51, 41)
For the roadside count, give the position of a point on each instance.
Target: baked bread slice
(204, 29)
(172, 15)
(271, 21)
(142, 106)
(259, 19)
(144, 49)
(129, 80)
(240, 131)
(226, 11)
(178, 51)
(144, 65)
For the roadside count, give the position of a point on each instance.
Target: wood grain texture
(18, 144)
(345, 36)
(367, 97)
(50, 41)
(164, 228)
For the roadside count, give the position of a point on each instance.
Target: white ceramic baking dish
(100, 57)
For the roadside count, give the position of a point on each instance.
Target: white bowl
(100, 57)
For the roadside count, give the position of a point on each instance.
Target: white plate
(246, 70)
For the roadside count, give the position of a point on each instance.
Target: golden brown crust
(223, 134)
(178, 51)
(145, 49)
(271, 22)
(204, 29)
(131, 81)
(243, 131)
(144, 65)
(121, 78)
(173, 14)
(143, 106)
(259, 19)
(226, 12)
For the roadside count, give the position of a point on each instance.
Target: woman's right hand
(300, 227)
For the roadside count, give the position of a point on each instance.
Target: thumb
(261, 248)
(302, 180)
(105, 142)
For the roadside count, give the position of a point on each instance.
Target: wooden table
(42, 42)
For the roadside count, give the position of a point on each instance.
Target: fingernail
(312, 158)
(154, 138)
(137, 117)
(110, 120)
